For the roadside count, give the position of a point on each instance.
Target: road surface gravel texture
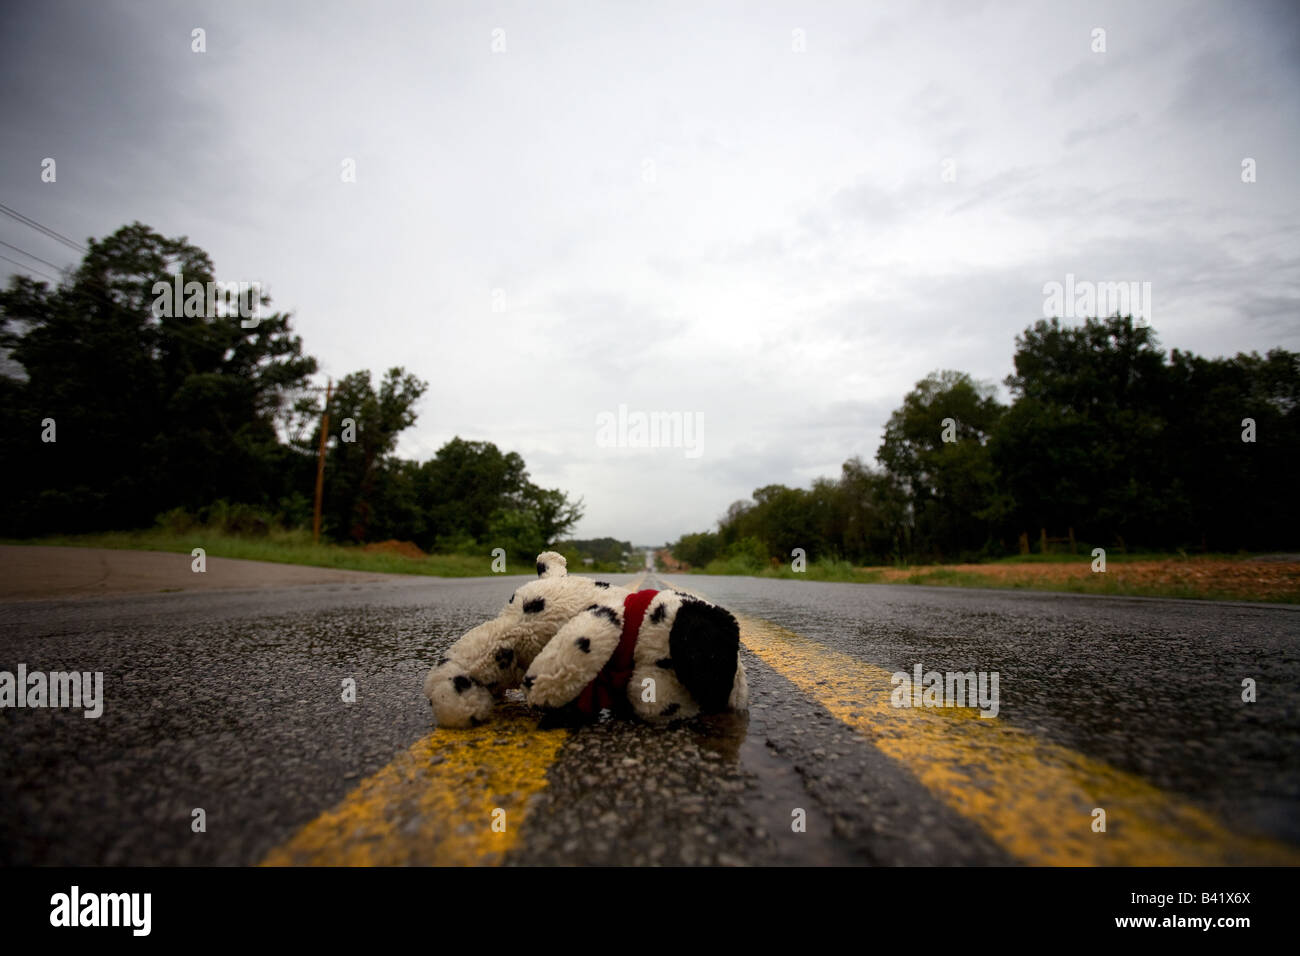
(230, 701)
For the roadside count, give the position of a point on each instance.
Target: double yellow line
(459, 797)
(1035, 798)
(455, 798)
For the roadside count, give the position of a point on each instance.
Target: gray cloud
(680, 211)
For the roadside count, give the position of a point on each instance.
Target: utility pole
(320, 463)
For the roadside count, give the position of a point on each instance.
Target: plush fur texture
(556, 634)
(490, 659)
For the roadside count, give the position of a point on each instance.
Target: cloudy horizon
(774, 220)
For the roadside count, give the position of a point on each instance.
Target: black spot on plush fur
(606, 612)
(657, 615)
(512, 599)
(541, 568)
(665, 663)
(462, 683)
(528, 682)
(584, 644)
(535, 605)
(705, 644)
(602, 584)
(504, 656)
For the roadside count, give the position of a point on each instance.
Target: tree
(1083, 444)
(697, 549)
(873, 512)
(552, 511)
(1234, 493)
(471, 492)
(153, 408)
(1103, 435)
(464, 486)
(936, 447)
(355, 468)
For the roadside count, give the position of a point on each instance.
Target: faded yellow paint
(1035, 798)
(434, 805)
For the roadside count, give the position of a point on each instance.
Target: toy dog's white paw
(458, 700)
(574, 656)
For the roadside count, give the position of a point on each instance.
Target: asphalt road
(231, 701)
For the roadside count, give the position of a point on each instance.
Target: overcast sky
(774, 218)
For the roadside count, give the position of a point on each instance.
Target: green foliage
(365, 488)
(606, 552)
(519, 533)
(745, 556)
(151, 411)
(950, 483)
(697, 550)
(214, 424)
(465, 484)
(284, 546)
(1083, 444)
(1106, 435)
(227, 518)
(473, 492)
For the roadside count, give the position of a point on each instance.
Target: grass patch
(284, 547)
(1203, 577)
(823, 569)
(1084, 556)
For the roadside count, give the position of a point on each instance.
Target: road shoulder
(41, 572)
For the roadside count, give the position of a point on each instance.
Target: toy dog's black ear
(705, 643)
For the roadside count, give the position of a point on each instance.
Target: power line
(177, 330)
(102, 296)
(29, 268)
(52, 265)
(46, 230)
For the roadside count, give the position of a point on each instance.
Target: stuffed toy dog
(580, 646)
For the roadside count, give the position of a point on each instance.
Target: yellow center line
(435, 804)
(1035, 798)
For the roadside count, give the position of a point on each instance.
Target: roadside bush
(222, 516)
(833, 569)
(237, 518)
(177, 521)
(518, 533)
(459, 544)
(746, 556)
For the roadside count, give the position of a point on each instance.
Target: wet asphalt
(230, 702)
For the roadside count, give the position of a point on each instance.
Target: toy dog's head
(492, 657)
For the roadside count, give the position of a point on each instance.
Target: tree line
(117, 411)
(1108, 440)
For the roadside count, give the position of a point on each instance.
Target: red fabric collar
(609, 686)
